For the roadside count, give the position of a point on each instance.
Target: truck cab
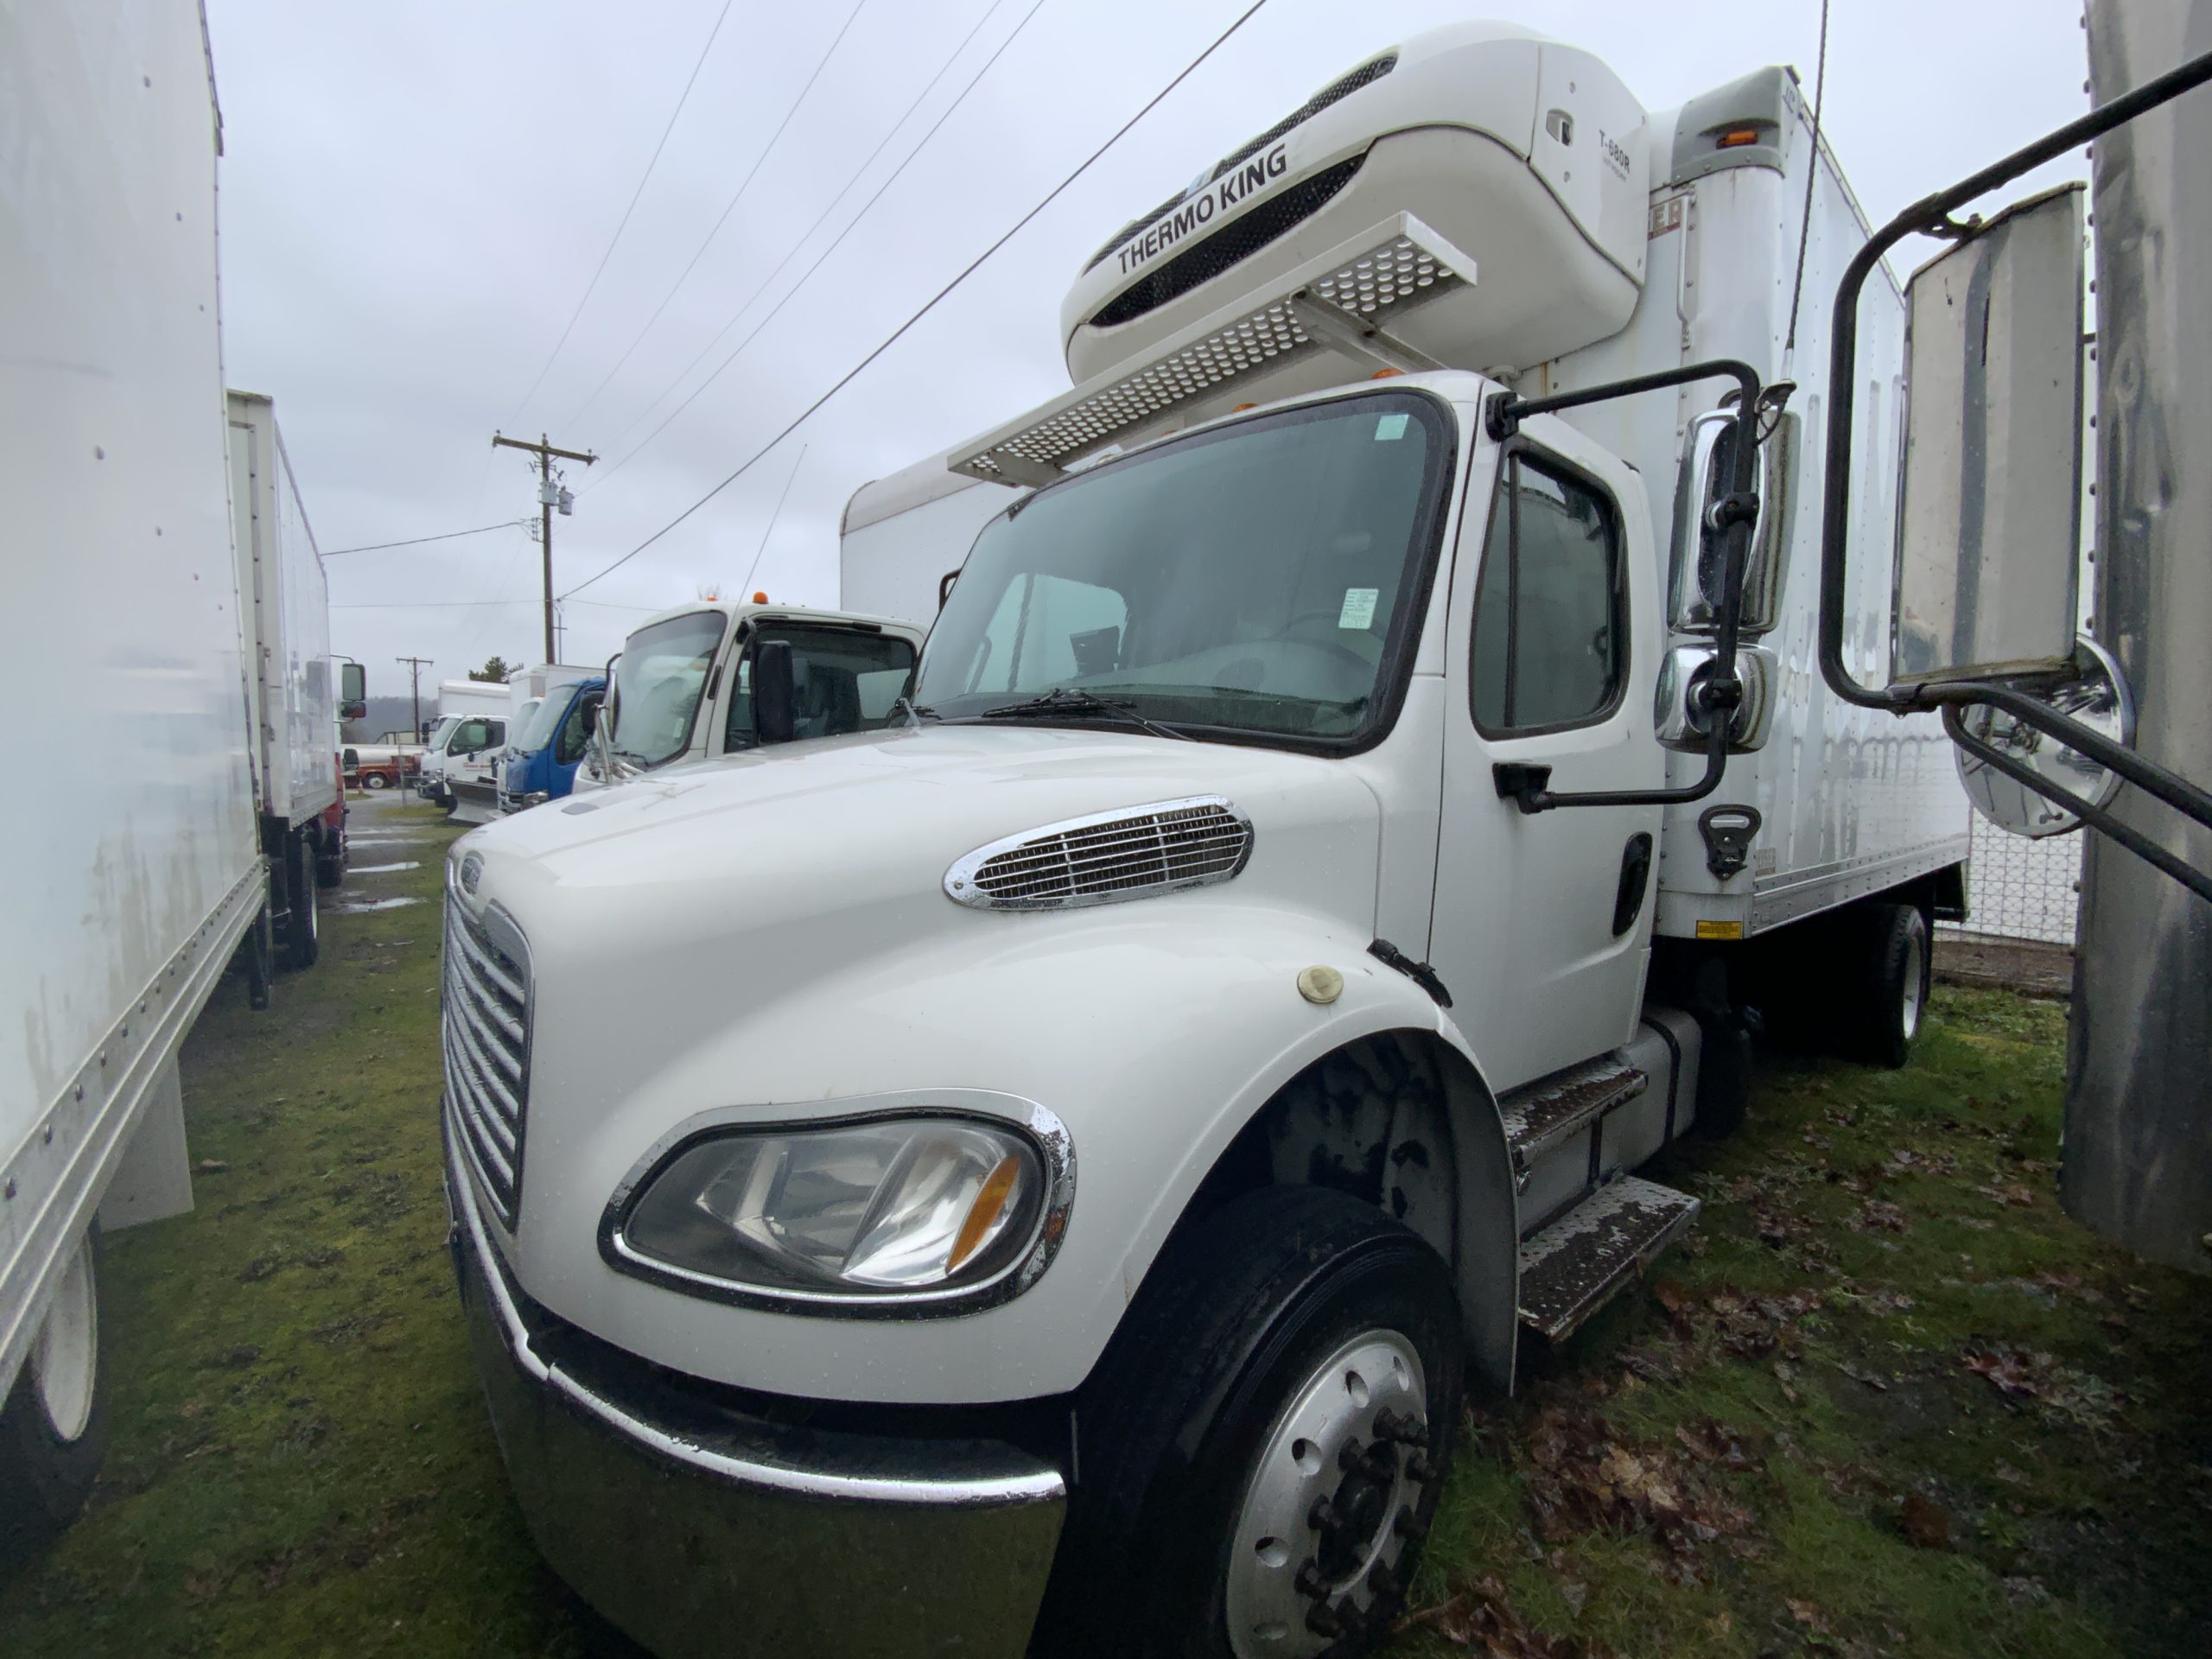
(682, 688)
(1093, 1129)
(457, 742)
(541, 764)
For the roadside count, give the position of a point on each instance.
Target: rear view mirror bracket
(1937, 215)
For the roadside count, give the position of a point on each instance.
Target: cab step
(1539, 1115)
(1573, 1268)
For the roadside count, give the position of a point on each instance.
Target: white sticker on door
(1359, 608)
(1387, 427)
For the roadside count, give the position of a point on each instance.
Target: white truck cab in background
(473, 717)
(681, 686)
(1032, 1176)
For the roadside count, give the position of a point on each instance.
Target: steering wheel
(1335, 646)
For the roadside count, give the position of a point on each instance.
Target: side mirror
(352, 692)
(1708, 460)
(1679, 710)
(775, 715)
(1989, 527)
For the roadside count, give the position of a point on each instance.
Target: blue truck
(540, 765)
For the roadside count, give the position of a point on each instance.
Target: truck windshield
(1252, 580)
(436, 741)
(843, 680)
(535, 730)
(658, 682)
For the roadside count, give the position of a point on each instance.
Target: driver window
(468, 737)
(1550, 646)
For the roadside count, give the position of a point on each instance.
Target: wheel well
(1400, 1120)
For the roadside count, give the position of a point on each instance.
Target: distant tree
(495, 670)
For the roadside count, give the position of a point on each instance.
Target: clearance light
(760, 599)
(1736, 137)
(1385, 374)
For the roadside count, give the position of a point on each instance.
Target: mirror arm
(2148, 776)
(1931, 216)
(2096, 817)
(1735, 515)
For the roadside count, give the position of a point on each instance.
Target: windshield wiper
(1064, 702)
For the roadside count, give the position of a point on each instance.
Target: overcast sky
(415, 196)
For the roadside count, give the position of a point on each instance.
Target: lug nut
(1351, 1455)
(1309, 1581)
(1417, 1467)
(1403, 1524)
(1323, 1517)
(1402, 1428)
(1321, 1619)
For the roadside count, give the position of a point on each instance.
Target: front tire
(374, 780)
(1264, 1442)
(53, 1425)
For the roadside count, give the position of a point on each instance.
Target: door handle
(1635, 876)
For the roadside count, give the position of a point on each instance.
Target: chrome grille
(487, 1031)
(1134, 853)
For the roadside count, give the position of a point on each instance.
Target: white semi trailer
(1034, 1177)
(135, 837)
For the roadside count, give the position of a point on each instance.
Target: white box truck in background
(294, 696)
(133, 842)
(472, 718)
(1349, 804)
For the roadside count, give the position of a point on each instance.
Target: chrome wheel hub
(1330, 1508)
(1913, 976)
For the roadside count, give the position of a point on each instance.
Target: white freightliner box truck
(683, 683)
(294, 696)
(1039, 1172)
(472, 716)
(134, 841)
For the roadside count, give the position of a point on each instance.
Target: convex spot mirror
(1699, 559)
(1684, 724)
(1989, 523)
(2097, 698)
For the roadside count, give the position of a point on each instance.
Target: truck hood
(712, 893)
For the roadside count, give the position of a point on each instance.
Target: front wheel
(53, 1425)
(1896, 975)
(302, 935)
(374, 780)
(1265, 1440)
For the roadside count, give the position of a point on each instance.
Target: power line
(602, 270)
(792, 292)
(745, 587)
(784, 264)
(451, 534)
(899, 333)
(729, 208)
(435, 605)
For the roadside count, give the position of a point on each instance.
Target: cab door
(1542, 921)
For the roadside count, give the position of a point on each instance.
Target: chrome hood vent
(1134, 852)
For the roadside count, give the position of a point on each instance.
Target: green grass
(303, 1464)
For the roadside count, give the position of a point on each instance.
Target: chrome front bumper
(700, 1530)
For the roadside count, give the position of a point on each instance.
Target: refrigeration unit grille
(1342, 87)
(1134, 853)
(1235, 241)
(487, 1031)
(1387, 269)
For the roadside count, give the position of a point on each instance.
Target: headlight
(880, 1213)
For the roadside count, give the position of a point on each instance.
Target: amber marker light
(990, 1203)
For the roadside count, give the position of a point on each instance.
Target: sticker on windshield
(1387, 427)
(1359, 608)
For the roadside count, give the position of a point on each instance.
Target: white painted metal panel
(287, 615)
(129, 840)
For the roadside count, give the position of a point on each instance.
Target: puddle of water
(356, 906)
(382, 869)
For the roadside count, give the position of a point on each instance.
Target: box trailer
(133, 843)
(294, 696)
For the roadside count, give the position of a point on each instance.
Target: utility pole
(548, 498)
(414, 685)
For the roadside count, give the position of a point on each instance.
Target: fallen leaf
(211, 1166)
(1927, 1525)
